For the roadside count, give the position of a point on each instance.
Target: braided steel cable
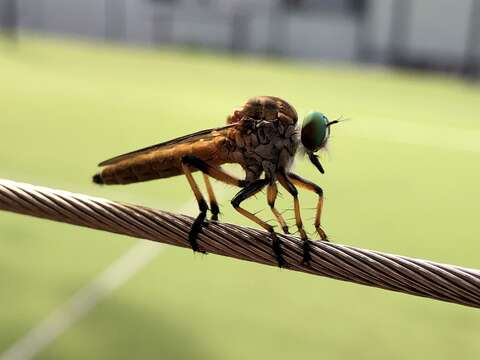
(392, 272)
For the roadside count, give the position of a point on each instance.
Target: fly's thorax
(268, 108)
(264, 145)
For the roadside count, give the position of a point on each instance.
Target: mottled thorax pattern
(265, 138)
(265, 145)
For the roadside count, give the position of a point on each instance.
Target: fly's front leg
(272, 193)
(249, 191)
(288, 185)
(308, 185)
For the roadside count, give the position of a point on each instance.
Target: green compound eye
(315, 131)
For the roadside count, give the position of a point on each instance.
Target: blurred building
(442, 34)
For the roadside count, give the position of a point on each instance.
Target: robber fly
(262, 137)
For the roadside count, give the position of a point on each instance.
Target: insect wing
(203, 134)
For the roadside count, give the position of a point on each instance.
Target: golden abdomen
(165, 162)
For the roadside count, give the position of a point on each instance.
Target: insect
(262, 137)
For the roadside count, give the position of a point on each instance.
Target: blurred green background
(401, 177)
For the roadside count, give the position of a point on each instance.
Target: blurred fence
(9, 17)
(430, 34)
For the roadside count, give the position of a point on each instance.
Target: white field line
(82, 302)
(85, 300)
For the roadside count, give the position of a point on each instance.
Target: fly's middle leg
(272, 192)
(247, 192)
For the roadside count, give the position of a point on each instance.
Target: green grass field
(401, 177)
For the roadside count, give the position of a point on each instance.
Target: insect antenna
(333, 122)
(339, 120)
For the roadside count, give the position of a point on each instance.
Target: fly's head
(314, 135)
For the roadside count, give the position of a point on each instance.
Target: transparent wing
(203, 134)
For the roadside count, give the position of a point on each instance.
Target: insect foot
(197, 227)
(306, 247)
(277, 250)
(321, 233)
(215, 210)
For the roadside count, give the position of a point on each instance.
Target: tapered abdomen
(164, 162)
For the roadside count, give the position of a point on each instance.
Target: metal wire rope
(392, 272)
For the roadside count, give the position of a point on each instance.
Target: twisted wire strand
(387, 271)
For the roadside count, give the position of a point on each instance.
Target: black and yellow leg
(215, 210)
(288, 185)
(308, 185)
(202, 205)
(247, 192)
(190, 163)
(219, 174)
(292, 190)
(272, 193)
(215, 172)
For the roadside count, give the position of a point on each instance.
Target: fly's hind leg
(190, 162)
(249, 191)
(202, 206)
(308, 185)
